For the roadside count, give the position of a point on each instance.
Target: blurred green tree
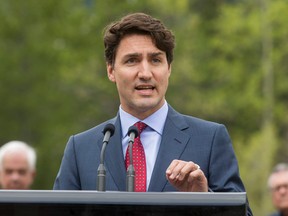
(230, 66)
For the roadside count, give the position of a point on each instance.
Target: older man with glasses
(278, 185)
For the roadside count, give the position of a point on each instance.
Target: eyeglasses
(279, 187)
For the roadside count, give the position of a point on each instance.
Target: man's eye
(8, 172)
(131, 61)
(22, 172)
(156, 60)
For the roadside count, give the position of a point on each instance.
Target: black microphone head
(133, 129)
(109, 127)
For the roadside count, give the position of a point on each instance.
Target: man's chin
(16, 187)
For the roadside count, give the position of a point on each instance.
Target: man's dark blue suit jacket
(184, 137)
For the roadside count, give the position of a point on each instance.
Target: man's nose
(283, 188)
(145, 70)
(15, 175)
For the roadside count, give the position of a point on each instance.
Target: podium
(88, 203)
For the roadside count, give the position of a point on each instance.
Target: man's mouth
(141, 87)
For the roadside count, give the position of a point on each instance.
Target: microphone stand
(101, 172)
(130, 175)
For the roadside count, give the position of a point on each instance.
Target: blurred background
(230, 66)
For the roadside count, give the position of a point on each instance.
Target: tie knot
(141, 126)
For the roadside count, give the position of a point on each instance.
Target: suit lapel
(173, 143)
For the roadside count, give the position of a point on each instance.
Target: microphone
(108, 132)
(130, 175)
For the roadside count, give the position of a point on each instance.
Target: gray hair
(281, 167)
(19, 146)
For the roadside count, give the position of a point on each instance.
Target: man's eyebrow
(156, 54)
(134, 55)
(129, 55)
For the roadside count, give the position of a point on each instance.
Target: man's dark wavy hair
(138, 23)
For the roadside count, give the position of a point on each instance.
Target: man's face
(15, 173)
(141, 73)
(279, 187)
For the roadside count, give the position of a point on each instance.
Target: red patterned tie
(139, 161)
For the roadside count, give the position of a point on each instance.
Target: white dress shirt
(150, 136)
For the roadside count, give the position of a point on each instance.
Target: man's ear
(110, 72)
(32, 178)
(0, 180)
(34, 174)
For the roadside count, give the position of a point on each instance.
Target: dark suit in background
(276, 214)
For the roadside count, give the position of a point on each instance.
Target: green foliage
(256, 164)
(53, 80)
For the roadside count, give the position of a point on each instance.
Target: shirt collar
(155, 121)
